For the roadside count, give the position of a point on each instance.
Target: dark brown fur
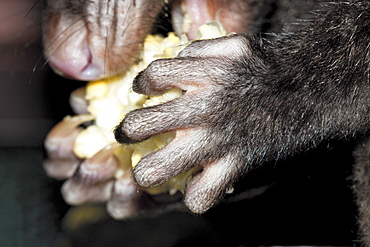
(250, 100)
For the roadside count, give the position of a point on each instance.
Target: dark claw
(121, 137)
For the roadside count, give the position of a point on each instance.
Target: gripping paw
(206, 119)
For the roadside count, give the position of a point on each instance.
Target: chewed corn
(111, 99)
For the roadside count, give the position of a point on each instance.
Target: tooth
(186, 21)
(177, 17)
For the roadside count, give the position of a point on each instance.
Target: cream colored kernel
(111, 99)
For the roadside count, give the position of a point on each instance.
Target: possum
(247, 100)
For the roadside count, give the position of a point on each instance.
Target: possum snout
(89, 40)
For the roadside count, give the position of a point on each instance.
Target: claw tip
(121, 137)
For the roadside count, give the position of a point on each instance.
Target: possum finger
(187, 74)
(179, 155)
(184, 112)
(207, 187)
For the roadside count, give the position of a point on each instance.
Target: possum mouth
(189, 15)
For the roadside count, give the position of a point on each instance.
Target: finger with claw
(99, 168)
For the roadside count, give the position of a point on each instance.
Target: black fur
(362, 188)
(250, 100)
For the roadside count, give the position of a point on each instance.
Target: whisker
(128, 24)
(77, 30)
(32, 8)
(115, 24)
(124, 21)
(24, 34)
(47, 60)
(72, 24)
(109, 34)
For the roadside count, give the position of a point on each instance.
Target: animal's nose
(77, 63)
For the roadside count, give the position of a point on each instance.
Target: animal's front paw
(207, 118)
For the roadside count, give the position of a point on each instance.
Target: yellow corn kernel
(89, 142)
(96, 90)
(111, 99)
(148, 146)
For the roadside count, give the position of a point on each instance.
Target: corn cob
(107, 103)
